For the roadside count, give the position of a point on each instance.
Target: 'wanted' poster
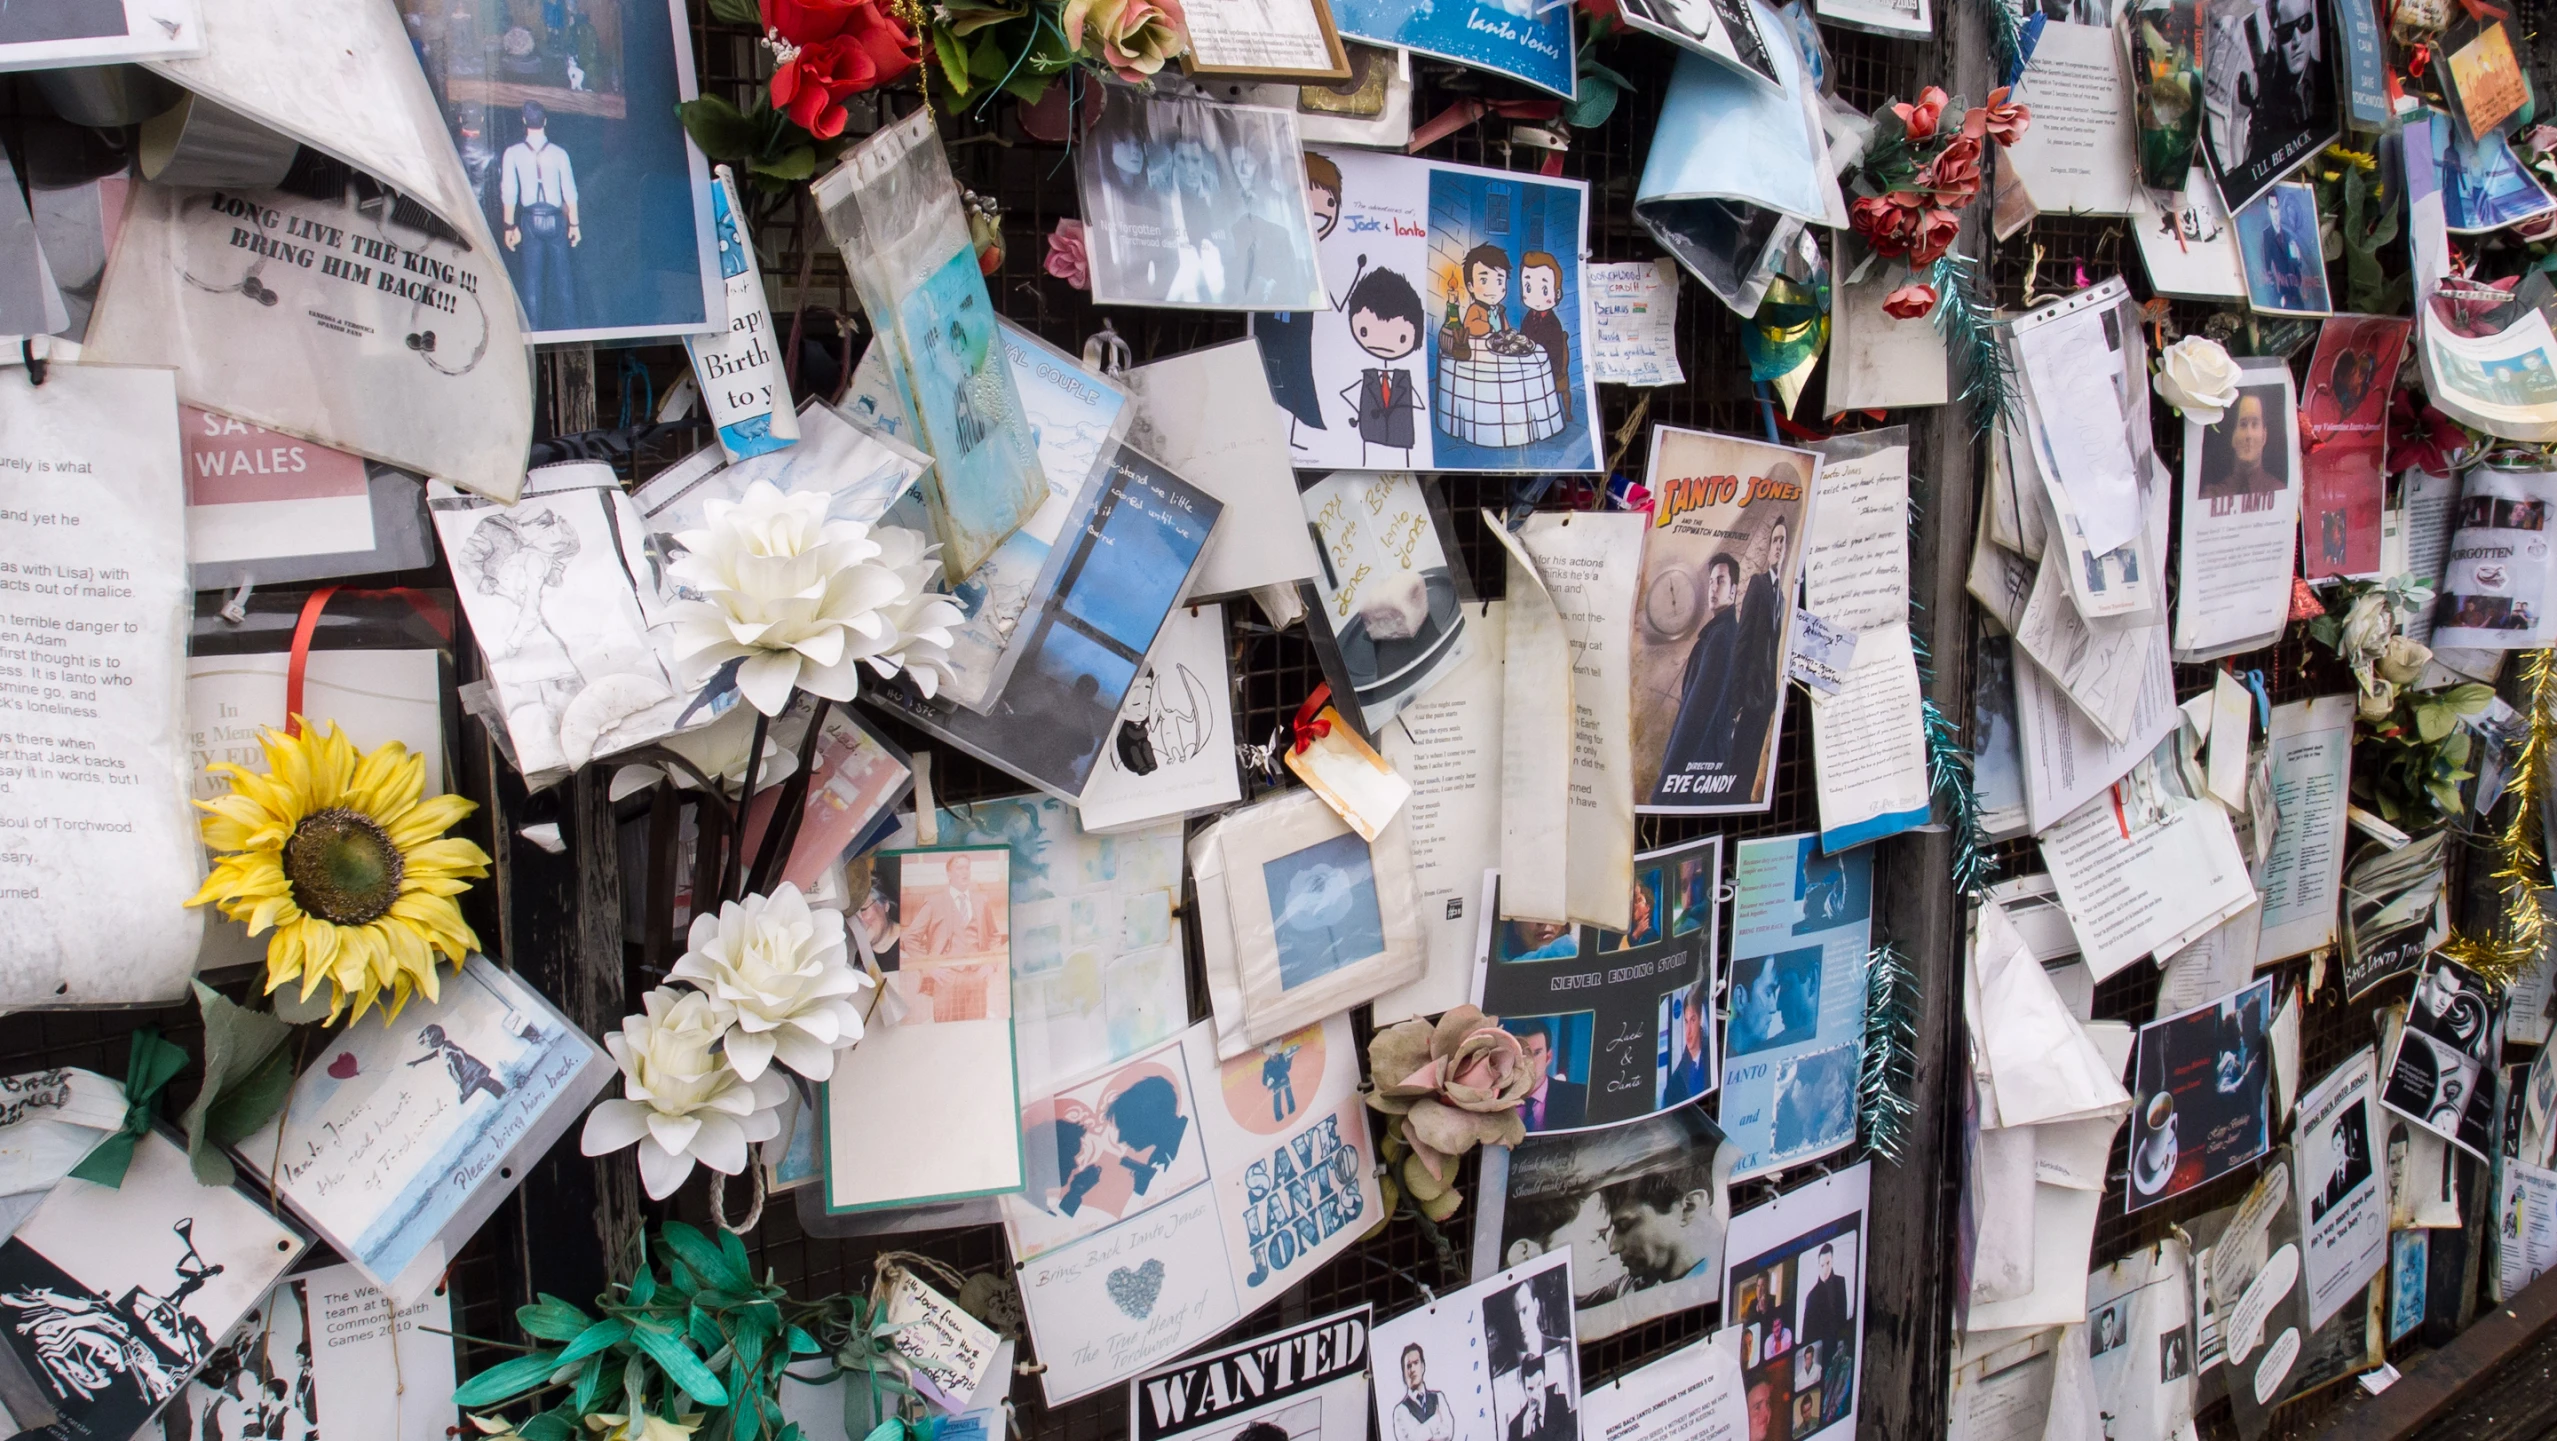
(1711, 616)
(1308, 1382)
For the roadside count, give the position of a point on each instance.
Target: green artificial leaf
(797, 163)
(737, 12)
(803, 1344)
(553, 1319)
(602, 1336)
(734, 1250)
(952, 54)
(591, 1382)
(1028, 85)
(559, 1423)
(507, 1380)
(889, 1430)
(247, 1074)
(704, 1259)
(643, 1283)
(722, 132)
(682, 1366)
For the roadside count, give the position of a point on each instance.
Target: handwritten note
(1633, 322)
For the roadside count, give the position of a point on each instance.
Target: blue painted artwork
(986, 479)
(1505, 37)
(1509, 389)
(1323, 909)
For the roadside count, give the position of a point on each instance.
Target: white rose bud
(2196, 376)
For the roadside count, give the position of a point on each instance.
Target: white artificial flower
(777, 976)
(716, 751)
(682, 1100)
(923, 617)
(798, 599)
(2196, 376)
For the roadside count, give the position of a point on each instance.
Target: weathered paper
(1448, 744)
(100, 848)
(1633, 322)
(2241, 519)
(1589, 564)
(2066, 758)
(2343, 1198)
(2311, 745)
(1206, 415)
(1869, 745)
(1536, 744)
(2077, 156)
(2154, 891)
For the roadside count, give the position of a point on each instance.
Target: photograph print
(1719, 568)
(113, 1297)
(955, 960)
(1800, 1310)
(2277, 238)
(1192, 203)
(1640, 1037)
(1323, 908)
(2439, 1075)
(1723, 30)
(2246, 461)
(1643, 1209)
(1528, 1337)
(2484, 185)
(2201, 1094)
(2268, 92)
(565, 118)
(1391, 621)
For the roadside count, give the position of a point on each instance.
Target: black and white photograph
(2437, 1075)
(2344, 1223)
(2109, 1327)
(1190, 203)
(1642, 1208)
(2268, 91)
(1496, 1361)
(2392, 911)
(325, 1355)
(2174, 1355)
(1528, 1335)
(113, 1297)
(1723, 30)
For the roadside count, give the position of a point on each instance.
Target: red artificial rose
(866, 47)
(1910, 301)
(1935, 236)
(1998, 120)
(1920, 119)
(1955, 176)
(804, 22)
(1885, 224)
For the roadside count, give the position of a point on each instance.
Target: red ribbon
(1309, 724)
(429, 607)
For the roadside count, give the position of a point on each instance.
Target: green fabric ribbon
(148, 1067)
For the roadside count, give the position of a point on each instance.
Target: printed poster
(117, 1295)
(1507, 37)
(1638, 1037)
(1801, 927)
(2438, 1074)
(326, 1355)
(565, 119)
(1713, 613)
(1641, 1207)
(2344, 1201)
(2268, 92)
(1495, 1360)
(1308, 1382)
(1795, 1286)
(391, 1139)
(2202, 1094)
(1170, 1196)
(1453, 338)
(2344, 431)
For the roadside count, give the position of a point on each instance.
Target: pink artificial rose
(1133, 37)
(1067, 260)
(1955, 176)
(1885, 224)
(1920, 119)
(1910, 302)
(1935, 236)
(1998, 120)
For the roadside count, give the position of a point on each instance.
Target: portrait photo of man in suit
(963, 917)
(1558, 1102)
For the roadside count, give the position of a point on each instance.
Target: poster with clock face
(1716, 602)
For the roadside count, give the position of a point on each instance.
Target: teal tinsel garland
(1968, 323)
(2013, 36)
(1949, 779)
(1890, 1070)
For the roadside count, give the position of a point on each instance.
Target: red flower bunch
(2421, 437)
(827, 51)
(1920, 170)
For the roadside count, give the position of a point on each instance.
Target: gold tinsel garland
(2521, 862)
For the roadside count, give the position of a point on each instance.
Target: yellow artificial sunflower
(341, 853)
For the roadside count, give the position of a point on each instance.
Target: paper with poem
(1633, 322)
